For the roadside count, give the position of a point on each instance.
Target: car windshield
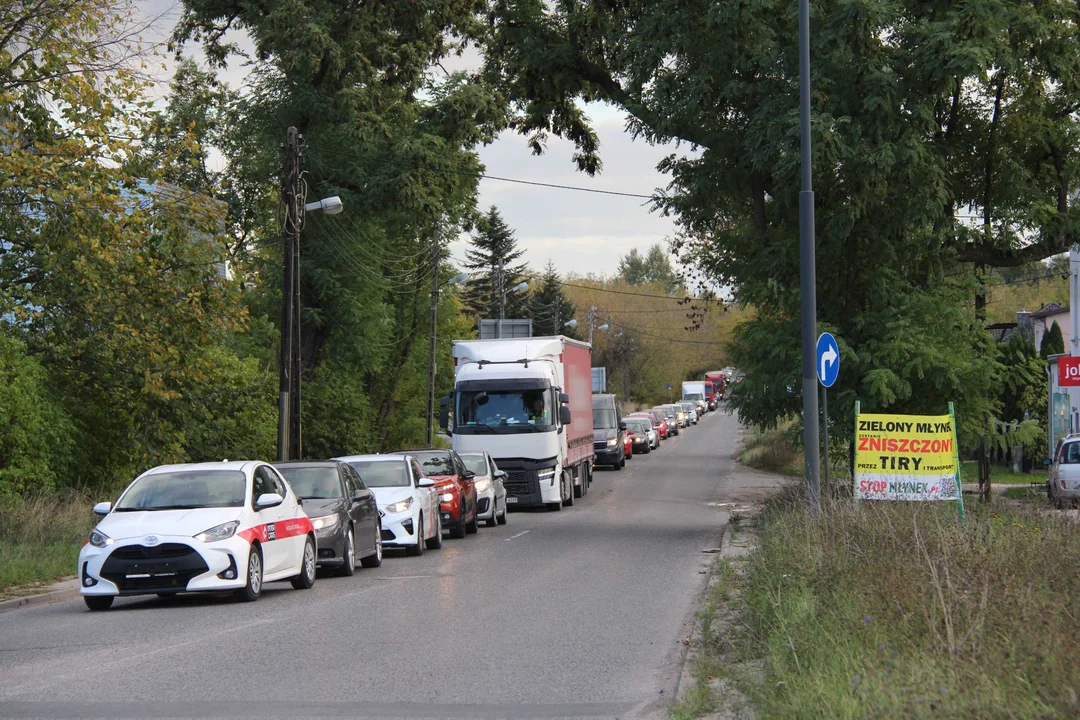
(475, 463)
(603, 418)
(640, 426)
(435, 463)
(319, 483)
(502, 408)
(382, 473)
(185, 490)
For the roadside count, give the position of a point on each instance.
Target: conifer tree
(494, 244)
(1052, 343)
(549, 307)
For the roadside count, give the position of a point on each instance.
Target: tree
(549, 307)
(395, 142)
(652, 268)
(943, 138)
(1052, 343)
(494, 246)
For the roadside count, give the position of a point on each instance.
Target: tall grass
(893, 610)
(40, 538)
(772, 450)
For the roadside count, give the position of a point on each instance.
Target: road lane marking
(516, 536)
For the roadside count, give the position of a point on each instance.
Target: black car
(343, 511)
(609, 432)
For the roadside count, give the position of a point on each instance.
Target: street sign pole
(827, 369)
(807, 272)
(825, 432)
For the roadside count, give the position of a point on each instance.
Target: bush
(35, 434)
(893, 610)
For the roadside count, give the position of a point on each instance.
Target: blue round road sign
(828, 359)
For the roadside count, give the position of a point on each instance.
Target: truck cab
(521, 401)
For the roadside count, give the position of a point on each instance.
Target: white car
(408, 503)
(202, 527)
(490, 490)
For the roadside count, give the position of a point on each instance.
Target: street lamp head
(327, 206)
(459, 278)
(602, 327)
(570, 323)
(519, 287)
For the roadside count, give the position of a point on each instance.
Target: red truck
(716, 379)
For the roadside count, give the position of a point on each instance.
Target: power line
(684, 299)
(667, 339)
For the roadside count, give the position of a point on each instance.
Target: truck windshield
(692, 396)
(522, 409)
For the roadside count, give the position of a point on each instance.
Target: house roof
(1050, 309)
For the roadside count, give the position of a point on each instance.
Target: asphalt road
(576, 614)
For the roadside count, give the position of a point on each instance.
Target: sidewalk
(57, 592)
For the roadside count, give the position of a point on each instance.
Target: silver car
(1063, 482)
(490, 490)
(690, 409)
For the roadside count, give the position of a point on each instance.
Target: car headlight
(399, 506)
(613, 442)
(446, 497)
(482, 485)
(221, 532)
(324, 521)
(99, 539)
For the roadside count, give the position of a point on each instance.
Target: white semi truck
(528, 403)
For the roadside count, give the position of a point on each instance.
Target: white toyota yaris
(408, 503)
(203, 527)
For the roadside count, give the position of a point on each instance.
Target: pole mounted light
(457, 279)
(327, 206)
(605, 326)
(570, 323)
(520, 287)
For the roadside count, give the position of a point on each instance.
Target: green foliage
(1052, 342)
(36, 437)
(550, 308)
(653, 267)
(923, 114)
(494, 245)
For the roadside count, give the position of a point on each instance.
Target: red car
(454, 484)
(628, 445)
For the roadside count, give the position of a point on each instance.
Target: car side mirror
(357, 495)
(500, 474)
(564, 398)
(268, 500)
(425, 482)
(469, 475)
(564, 415)
(444, 412)
(102, 508)
(622, 426)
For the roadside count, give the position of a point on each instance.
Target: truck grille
(516, 482)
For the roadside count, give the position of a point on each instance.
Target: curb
(53, 596)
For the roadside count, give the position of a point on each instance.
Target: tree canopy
(653, 267)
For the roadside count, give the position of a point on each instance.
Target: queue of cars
(234, 526)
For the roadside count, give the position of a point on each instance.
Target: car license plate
(511, 499)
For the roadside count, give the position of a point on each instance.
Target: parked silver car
(1063, 482)
(490, 489)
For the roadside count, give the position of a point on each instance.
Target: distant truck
(527, 402)
(716, 377)
(695, 392)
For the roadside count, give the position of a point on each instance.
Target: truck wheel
(579, 490)
(568, 483)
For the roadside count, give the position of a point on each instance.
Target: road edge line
(53, 596)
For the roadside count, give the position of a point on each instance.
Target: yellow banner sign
(905, 457)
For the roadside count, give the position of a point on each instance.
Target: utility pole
(502, 300)
(808, 271)
(290, 189)
(592, 322)
(436, 250)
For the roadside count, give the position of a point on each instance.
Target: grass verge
(40, 540)
(893, 610)
(772, 451)
(1003, 474)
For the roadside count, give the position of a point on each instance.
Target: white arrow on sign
(827, 358)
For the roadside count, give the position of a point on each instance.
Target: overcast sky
(580, 232)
